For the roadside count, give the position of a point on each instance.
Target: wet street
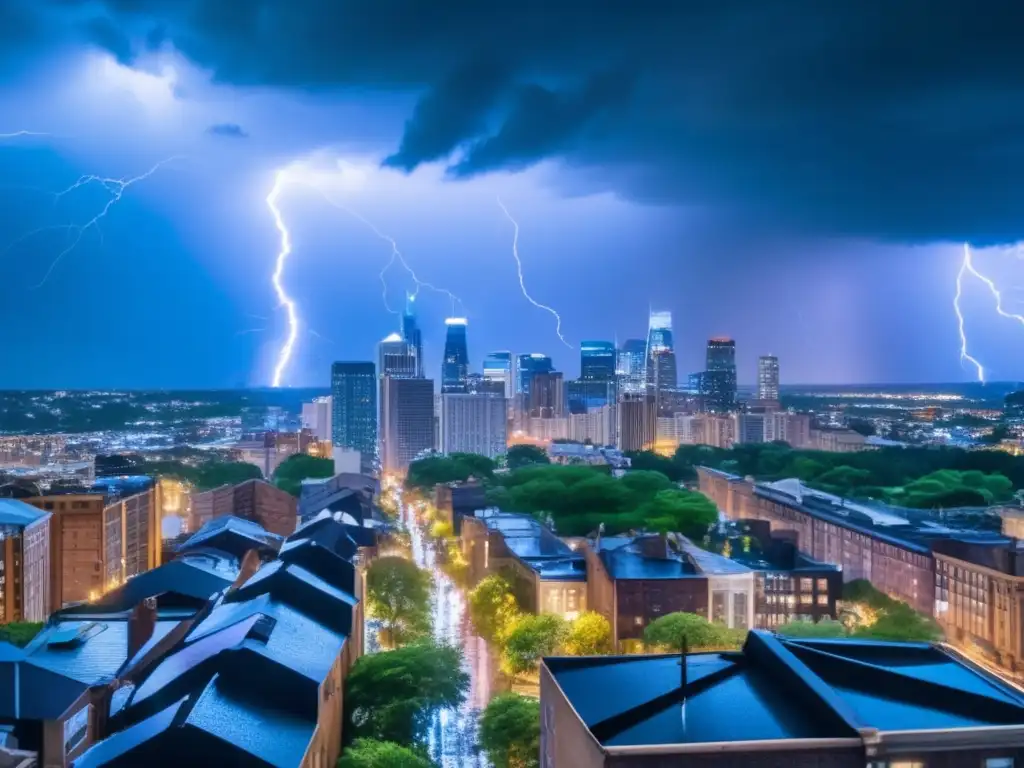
(452, 737)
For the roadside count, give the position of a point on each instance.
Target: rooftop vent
(72, 637)
(262, 629)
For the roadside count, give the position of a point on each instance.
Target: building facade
(473, 423)
(397, 358)
(255, 500)
(455, 366)
(354, 407)
(316, 417)
(407, 421)
(638, 423)
(660, 357)
(411, 332)
(597, 361)
(768, 378)
(631, 366)
(719, 379)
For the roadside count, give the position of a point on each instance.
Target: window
(806, 599)
(806, 585)
(905, 764)
(999, 762)
(823, 585)
(822, 599)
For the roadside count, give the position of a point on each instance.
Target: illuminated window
(823, 585)
(822, 599)
(806, 585)
(806, 599)
(999, 762)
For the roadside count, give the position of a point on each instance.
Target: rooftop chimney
(141, 624)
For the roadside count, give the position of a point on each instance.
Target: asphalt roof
(232, 534)
(198, 575)
(537, 547)
(782, 689)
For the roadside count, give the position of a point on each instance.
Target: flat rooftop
(783, 689)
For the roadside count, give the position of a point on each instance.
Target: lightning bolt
(284, 356)
(396, 255)
(115, 187)
(522, 284)
(967, 266)
(18, 134)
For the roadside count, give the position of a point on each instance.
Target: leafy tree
(590, 634)
(901, 623)
(532, 638)
(862, 427)
(493, 608)
(510, 731)
(398, 593)
(369, 753)
(644, 483)
(523, 455)
(670, 630)
(682, 511)
(649, 461)
(389, 696)
(456, 468)
(803, 628)
(292, 471)
(441, 529)
(20, 633)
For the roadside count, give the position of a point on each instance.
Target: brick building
(255, 500)
(24, 562)
(777, 702)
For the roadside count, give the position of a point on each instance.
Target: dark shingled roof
(232, 535)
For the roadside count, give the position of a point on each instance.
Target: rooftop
(777, 689)
(537, 547)
(233, 535)
(651, 556)
(18, 513)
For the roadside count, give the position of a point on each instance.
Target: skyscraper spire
(411, 331)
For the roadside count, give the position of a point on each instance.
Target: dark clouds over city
(736, 162)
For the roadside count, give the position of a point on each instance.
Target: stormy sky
(798, 175)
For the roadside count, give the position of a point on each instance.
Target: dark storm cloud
(228, 130)
(884, 119)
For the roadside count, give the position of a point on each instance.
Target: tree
(493, 608)
(685, 512)
(389, 696)
(292, 471)
(901, 623)
(803, 628)
(455, 468)
(20, 633)
(645, 483)
(670, 630)
(589, 634)
(398, 593)
(510, 731)
(369, 753)
(649, 461)
(523, 455)
(532, 638)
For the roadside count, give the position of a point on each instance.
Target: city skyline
(406, 167)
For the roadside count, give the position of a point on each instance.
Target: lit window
(822, 599)
(806, 585)
(823, 585)
(806, 600)
(999, 762)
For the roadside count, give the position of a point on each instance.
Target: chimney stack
(141, 625)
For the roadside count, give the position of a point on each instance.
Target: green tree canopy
(523, 455)
(369, 753)
(398, 593)
(685, 512)
(389, 696)
(590, 634)
(510, 731)
(669, 631)
(493, 608)
(532, 638)
(20, 633)
(649, 461)
(804, 628)
(292, 471)
(424, 474)
(644, 483)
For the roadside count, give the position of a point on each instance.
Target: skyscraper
(631, 366)
(473, 423)
(638, 419)
(768, 377)
(411, 332)
(661, 356)
(498, 367)
(354, 407)
(397, 358)
(720, 376)
(529, 365)
(455, 367)
(407, 421)
(597, 361)
(547, 395)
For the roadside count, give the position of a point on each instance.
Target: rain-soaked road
(452, 737)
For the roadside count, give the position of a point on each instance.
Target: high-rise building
(661, 357)
(720, 377)
(25, 551)
(477, 383)
(411, 332)
(547, 396)
(529, 366)
(397, 358)
(583, 396)
(354, 408)
(407, 421)
(473, 423)
(316, 417)
(637, 415)
(768, 377)
(498, 366)
(631, 366)
(597, 361)
(455, 367)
